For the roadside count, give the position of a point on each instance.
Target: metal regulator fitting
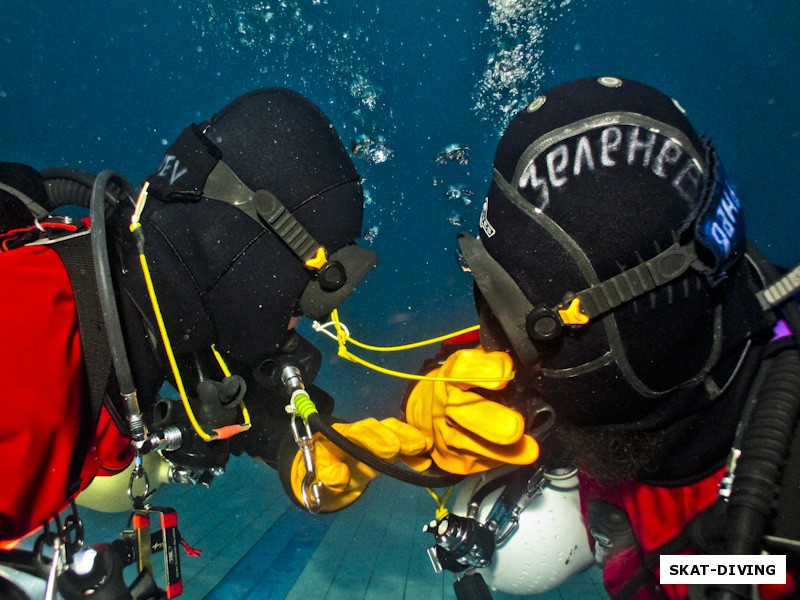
(461, 543)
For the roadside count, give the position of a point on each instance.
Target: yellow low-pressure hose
(221, 432)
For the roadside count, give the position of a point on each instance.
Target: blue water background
(98, 85)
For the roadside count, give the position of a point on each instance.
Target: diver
(196, 279)
(635, 337)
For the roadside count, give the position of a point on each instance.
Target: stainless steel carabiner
(312, 487)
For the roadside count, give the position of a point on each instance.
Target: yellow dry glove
(345, 478)
(468, 433)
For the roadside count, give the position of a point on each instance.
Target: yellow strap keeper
(318, 261)
(572, 315)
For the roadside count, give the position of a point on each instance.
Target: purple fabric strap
(781, 330)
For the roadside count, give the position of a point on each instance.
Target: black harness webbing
(76, 254)
(706, 532)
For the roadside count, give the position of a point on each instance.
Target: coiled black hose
(763, 455)
(759, 468)
(764, 448)
(482, 492)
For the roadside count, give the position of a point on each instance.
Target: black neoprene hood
(593, 178)
(221, 276)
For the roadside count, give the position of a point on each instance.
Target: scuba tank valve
(461, 543)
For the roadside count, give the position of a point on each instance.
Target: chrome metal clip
(312, 487)
(138, 472)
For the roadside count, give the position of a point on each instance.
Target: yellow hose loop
(170, 355)
(227, 372)
(137, 212)
(413, 345)
(342, 336)
(441, 511)
(151, 291)
(221, 361)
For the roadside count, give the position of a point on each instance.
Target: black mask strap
(502, 294)
(262, 206)
(334, 278)
(632, 283)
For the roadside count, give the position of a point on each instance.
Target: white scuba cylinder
(550, 545)
(110, 493)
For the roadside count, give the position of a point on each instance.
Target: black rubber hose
(105, 286)
(65, 185)
(472, 587)
(369, 459)
(764, 447)
(25, 561)
(482, 492)
(11, 591)
(759, 468)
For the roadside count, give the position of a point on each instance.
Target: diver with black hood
(613, 266)
(198, 278)
(636, 367)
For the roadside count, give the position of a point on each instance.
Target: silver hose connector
(292, 378)
(168, 439)
(136, 424)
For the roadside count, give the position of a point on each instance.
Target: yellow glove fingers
(451, 436)
(360, 474)
(335, 468)
(327, 464)
(411, 440)
(371, 435)
(470, 434)
(418, 463)
(420, 405)
(490, 420)
(334, 476)
(464, 455)
(477, 363)
(344, 478)
(335, 496)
